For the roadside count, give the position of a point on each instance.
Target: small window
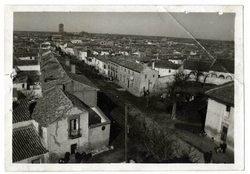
(124, 69)
(74, 124)
(228, 108)
(145, 76)
(153, 76)
(169, 71)
(103, 128)
(128, 72)
(23, 85)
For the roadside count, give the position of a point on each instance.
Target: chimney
(67, 62)
(73, 69)
(153, 64)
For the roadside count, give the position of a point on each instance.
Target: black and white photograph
(116, 86)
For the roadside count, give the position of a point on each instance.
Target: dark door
(224, 133)
(73, 148)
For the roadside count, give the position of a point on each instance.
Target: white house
(219, 123)
(83, 55)
(101, 64)
(74, 41)
(164, 67)
(69, 125)
(134, 77)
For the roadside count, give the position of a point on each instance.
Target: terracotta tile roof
(78, 77)
(165, 64)
(102, 58)
(21, 111)
(33, 75)
(223, 93)
(82, 79)
(126, 62)
(20, 79)
(18, 62)
(26, 143)
(56, 103)
(53, 105)
(17, 55)
(196, 65)
(52, 72)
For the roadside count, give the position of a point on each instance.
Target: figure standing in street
(208, 157)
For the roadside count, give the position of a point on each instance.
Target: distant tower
(61, 28)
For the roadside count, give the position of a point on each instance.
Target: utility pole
(126, 133)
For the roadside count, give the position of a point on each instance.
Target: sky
(198, 25)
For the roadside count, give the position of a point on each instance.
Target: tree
(175, 89)
(149, 140)
(206, 75)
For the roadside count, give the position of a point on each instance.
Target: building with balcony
(68, 116)
(66, 124)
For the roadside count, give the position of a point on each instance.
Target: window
(104, 66)
(128, 72)
(228, 108)
(169, 71)
(23, 85)
(124, 69)
(75, 132)
(74, 124)
(145, 76)
(153, 75)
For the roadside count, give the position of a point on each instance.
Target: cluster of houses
(54, 111)
(138, 74)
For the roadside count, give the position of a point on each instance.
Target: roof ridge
(219, 87)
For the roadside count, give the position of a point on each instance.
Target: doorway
(224, 130)
(73, 148)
